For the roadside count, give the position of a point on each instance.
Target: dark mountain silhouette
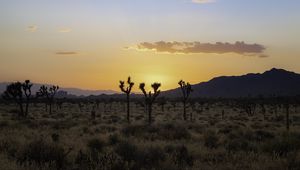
(277, 82)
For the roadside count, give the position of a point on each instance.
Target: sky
(92, 44)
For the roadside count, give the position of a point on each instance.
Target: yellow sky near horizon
(83, 44)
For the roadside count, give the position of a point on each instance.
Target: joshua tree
(287, 107)
(16, 91)
(186, 89)
(150, 97)
(48, 94)
(127, 91)
(27, 91)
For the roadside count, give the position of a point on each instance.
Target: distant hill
(277, 82)
(70, 91)
(273, 82)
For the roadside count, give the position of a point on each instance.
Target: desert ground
(217, 135)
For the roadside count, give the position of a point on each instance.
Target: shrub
(40, 153)
(127, 151)
(282, 146)
(95, 145)
(180, 155)
(151, 157)
(105, 161)
(211, 139)
(114, 139)
(240, 144)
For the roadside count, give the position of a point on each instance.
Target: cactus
(16, 91)
(186, 89)
(150, 98)
(49, 94)
(127, 91)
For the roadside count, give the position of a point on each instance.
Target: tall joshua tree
(127, 91)
(17, 91)
(49, 94)
(186, 89)
(27, 92)
(150, 97)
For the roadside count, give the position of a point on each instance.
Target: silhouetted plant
(150, 97)
(93, 113)
(49, 94)
(127, 91)
(186, 89)
(17, 91)
(27, 91)
(287, 107)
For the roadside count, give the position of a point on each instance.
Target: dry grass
(70, 139)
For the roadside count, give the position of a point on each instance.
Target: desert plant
(16, 92)
(49, 94)
(127, 91)
(287, 108)
(150, 97)
(186, 90)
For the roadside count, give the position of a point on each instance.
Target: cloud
(66, 53)
(238, 47)
(203, 1)
(65, 30)
(32, 28)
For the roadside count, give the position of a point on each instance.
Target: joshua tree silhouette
(150, 97)
(127, 91)
(49, 94)
(186, 89)
(27, 91)
(16, 91)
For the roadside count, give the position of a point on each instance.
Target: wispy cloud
(203, 1)
(64, 30)
(32, 28)
(238, 47)
(66, 53)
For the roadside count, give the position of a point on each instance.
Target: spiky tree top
(186, 89)
(17, 90)
(126, 90)
(48, 93)
(27, 88)
(14, 91)
(151, 96)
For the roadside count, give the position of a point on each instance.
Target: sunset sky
(92, 44)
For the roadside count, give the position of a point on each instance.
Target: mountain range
(278, 82)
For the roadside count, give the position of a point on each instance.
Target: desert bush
(240, 144)
(179, 155)
(158, 132)
(127, 151)
(106, 160)
(9, 146)
(150, 158)
(282, 145)
(114, 139)
(211, 139)
(43, 154)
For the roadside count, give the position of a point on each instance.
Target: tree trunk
(50, 108)
(26, 111)
(287, 118)
(184, 110)
(128, 107)
(21, 114)
(150, 113)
